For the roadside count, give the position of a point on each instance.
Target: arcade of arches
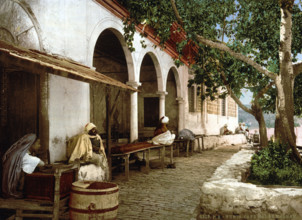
(109, 59)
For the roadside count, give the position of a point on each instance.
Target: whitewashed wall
(70, 29)
(69, 107)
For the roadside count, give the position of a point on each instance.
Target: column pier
(133, 111)
(162, 99)
(181, 115)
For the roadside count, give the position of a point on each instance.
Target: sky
(247, 95)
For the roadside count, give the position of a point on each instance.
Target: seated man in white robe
(161, 134)
(88, 148)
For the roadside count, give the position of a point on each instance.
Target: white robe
(29, 163)
(165, 138)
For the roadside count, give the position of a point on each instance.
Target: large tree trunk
(278, 125)
(258, 114)
(285, 81)
(262, 131)
(286, 114)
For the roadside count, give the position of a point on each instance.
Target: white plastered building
(90, 32)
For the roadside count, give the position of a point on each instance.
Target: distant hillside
(269, 119)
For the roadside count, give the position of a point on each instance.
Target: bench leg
(148, 160)
(187, 148)
(126, 157)
(19, 214)
(162, 157)
(56, 205)
(199, 147)
(171, 153)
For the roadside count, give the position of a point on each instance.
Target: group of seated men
(241, 129)
(88, 146)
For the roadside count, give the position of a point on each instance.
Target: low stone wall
(224, 196)
(214, 141)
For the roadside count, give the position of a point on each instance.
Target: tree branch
(264, 90)
(238, 56)
(179, 19)
(225, 48)
(297, 68)
(234, 97)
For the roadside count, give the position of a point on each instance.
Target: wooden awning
(38, 62)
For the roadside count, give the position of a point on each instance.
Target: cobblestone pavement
(170, 193)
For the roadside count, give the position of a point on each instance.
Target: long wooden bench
(144, 147)
(34, 208)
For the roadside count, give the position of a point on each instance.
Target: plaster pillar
(133, 111)
(181, 115)
(162, 98)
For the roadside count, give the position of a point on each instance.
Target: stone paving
(172, 193)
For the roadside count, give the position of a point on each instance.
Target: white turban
(165, 120)
(89, 126)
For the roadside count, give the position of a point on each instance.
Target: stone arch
(30, 33)
(177, 81)
(172, 107)
(117, 29)
(157, 65)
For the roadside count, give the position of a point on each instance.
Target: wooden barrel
(98, 201)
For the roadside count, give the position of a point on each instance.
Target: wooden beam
(108, 130)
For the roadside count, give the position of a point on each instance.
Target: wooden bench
(199, 138)
(34, 208)
(188, 143)
(146, 151)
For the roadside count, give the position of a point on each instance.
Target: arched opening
(171, 105)
(148, 100)
(109, 59)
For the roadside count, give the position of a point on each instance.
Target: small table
(200, 137)
(177, 142)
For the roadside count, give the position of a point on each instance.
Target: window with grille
(191, 97)
(223, 107)
(232, 108)
(198, 99)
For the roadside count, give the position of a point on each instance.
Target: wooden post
(109, 114)
(108, 131)
(148, 160)
(171, 153)
(19, 213)
(187, 148)
(56, 202)
(162, 156)
(43, 117)
(127, 166)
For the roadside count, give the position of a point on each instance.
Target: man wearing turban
(161, 134)
(88, 148)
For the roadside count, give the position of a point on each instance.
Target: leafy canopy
(249, 27)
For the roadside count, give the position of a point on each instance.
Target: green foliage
(273, 165)
(249, 27)
(298, 95)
